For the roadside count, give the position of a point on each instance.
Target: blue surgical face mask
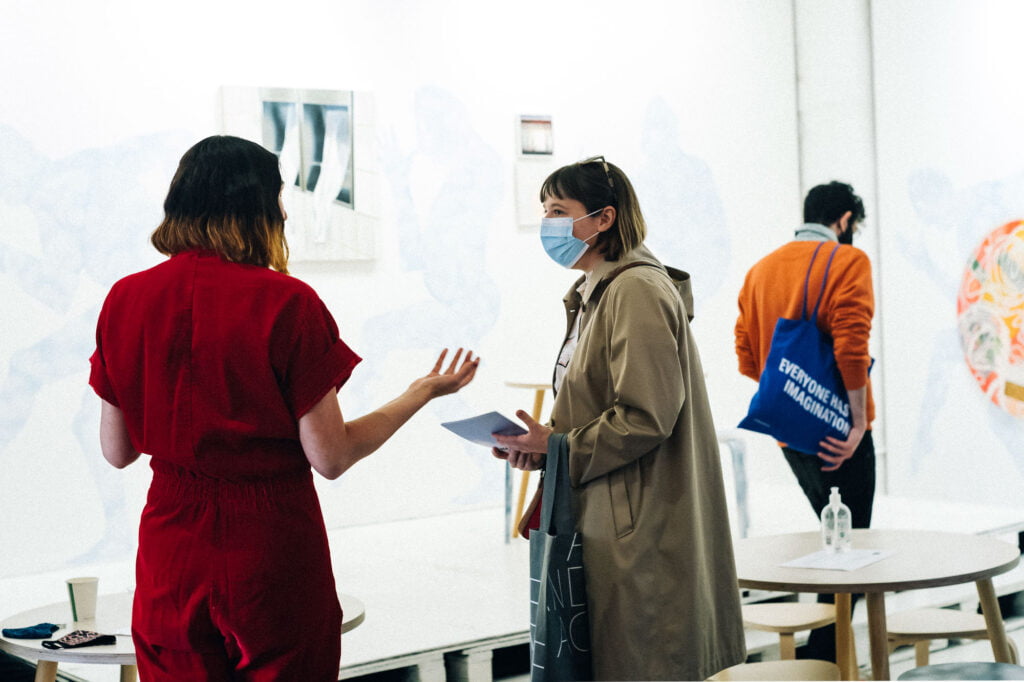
(559, 243)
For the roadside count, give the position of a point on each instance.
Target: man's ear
(606, 218)
(844, 222)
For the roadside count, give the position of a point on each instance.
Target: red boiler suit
(212, 364)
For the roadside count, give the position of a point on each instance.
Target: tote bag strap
(824, 280)
(555, 507)
(603, 284)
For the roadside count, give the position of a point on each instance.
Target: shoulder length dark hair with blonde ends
(224, 198)
(595, 183)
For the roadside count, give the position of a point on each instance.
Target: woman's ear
(606, 218)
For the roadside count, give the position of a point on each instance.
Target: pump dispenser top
(836, 524)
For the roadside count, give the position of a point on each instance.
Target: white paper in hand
(479, 429)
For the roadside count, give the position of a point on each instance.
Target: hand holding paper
(525, 451)
(534, 439)
(479, 429)
(523, 448)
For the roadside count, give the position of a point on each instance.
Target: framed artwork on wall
(311, 132)
(314, 134)
(534, 162)
(990, 312)
(535, 135)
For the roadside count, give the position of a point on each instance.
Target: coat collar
(589, 288)
(598, 279)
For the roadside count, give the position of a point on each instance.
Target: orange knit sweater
(774, 288)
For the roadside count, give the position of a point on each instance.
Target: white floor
(901, 661)
(429, 585)
(450, 583)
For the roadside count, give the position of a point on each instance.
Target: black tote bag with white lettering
(800, 397)
(559, 623)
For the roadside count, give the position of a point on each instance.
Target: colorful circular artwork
(990, 310)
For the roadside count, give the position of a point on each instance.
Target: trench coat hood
(607, 270)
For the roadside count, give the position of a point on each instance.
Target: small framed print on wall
(534, 163)
(535, 137)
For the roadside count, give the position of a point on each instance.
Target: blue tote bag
(800, 397)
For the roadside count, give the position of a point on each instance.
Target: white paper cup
(82, 594)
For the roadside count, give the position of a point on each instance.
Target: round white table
(113, 615)
(920, 559)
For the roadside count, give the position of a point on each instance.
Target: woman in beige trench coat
(643, 455)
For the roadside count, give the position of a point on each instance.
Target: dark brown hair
(595, 183)
(224, 197)
(825, 204)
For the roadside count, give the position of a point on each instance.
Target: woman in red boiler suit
(225, 370)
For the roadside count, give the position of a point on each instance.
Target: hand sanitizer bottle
(836, 524)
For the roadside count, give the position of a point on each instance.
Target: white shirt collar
(815, 232)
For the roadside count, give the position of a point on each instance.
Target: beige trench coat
(649, 495)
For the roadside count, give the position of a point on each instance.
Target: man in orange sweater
(773, 289)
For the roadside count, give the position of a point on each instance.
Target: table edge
(94, 654)
(31, 649)
(840, 587)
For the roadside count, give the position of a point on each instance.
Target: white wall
(694, 100)
(836, 110)
(697, 101)
(950, 171)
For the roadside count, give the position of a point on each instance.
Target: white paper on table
(479, 429)
(850, 560)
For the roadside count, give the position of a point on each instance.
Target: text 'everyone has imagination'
(816, 399)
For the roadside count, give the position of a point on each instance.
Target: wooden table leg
(46, 671)
(844, 638)
(878, 635)
(993, 620)
(129, 673)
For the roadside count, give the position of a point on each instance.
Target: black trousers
(856, 482)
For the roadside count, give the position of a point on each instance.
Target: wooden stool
(920, 626)
(788, 618)
(807, 669)
(524, 480)
(965, 671)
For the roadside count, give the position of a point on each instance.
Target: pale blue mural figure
(445, 194)
(91, 212)
(955, 222)
(444, 232)
(682, 207)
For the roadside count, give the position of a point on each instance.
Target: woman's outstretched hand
(332, 445)
(445, 382)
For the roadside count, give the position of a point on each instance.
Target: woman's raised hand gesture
(441, 382)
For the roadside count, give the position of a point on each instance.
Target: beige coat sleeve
(637, 329)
